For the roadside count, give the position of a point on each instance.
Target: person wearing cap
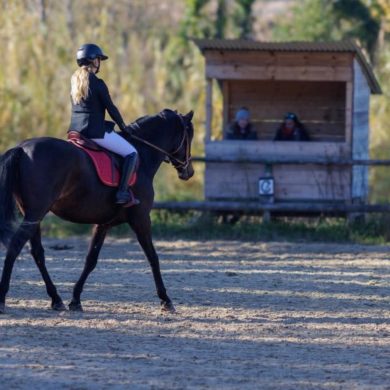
(241, 128)
(291, 129)
(90, 100)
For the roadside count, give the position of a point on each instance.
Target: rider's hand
(128, 130)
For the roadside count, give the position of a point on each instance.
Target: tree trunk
(70, 19)
(42, 11)
(221, 19)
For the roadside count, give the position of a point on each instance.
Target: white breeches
(115, 143)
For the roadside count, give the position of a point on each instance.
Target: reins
(182, 164)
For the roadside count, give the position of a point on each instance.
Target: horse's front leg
(99, 234)
(142, 228)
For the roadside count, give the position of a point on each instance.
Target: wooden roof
(347, 46)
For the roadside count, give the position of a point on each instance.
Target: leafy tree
(318, 20)
(231, 19)
(311, 20)
(243, 19)
(221, 19)
(196, 23)
(355, 20)
(380, 118)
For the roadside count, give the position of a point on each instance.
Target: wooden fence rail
(294, 161)
(260, 206)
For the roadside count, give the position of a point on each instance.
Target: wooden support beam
(274, 58)
(209, 108)
(273, 72)
(349, 112)
(226, 104)
(312, 161)
(360, 137)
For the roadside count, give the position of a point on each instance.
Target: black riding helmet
(88, 52)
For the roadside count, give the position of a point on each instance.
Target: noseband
(179, 164)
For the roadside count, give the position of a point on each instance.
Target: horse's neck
(151, 158)
(159, 135)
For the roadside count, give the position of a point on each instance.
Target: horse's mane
(146, 123)
(151, 128)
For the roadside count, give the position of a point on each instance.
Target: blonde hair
(79, 84)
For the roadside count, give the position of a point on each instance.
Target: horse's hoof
(75, 307)
(2, 308)
(58, 306)
(167, 307)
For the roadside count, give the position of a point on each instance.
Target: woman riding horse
(48, 174)
(90, 99)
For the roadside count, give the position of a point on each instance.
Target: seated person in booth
(241, 128)
(291, 129)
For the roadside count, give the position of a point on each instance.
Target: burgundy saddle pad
(103, 161)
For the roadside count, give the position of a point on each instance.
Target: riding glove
(128, 130)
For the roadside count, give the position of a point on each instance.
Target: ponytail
(79, 84)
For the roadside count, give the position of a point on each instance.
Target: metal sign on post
(266, 185)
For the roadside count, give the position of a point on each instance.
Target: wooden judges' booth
(326, 84)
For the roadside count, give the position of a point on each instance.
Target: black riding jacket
(88, 116)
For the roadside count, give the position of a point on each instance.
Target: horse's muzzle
(186, 173)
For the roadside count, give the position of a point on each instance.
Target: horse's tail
(9, 163)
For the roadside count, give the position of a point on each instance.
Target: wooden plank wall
(241, 65)
(209, 109)
(292, 182)
(321, 106)
(276, 150)
(360, 133)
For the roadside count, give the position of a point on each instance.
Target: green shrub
(206, 226)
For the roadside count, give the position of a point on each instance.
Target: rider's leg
(117, 144)
(123, 195)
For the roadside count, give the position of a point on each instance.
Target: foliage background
(154, 65)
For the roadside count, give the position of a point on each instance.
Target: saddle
(107, 164)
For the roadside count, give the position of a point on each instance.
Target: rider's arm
(110, 106)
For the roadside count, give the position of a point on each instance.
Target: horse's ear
(189, 116)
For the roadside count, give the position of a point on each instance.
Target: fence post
(209, 108)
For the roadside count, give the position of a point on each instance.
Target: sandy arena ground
(249, 316)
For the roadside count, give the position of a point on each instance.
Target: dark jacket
(88, 116)
(235, 132)
(297, 134)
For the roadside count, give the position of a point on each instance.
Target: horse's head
(180, 155)
(170, 133)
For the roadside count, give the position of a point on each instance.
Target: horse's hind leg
(99, 234)
(38, 254)
(25, 231)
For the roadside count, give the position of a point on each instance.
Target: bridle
(179, 164)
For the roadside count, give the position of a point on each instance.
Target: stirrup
(127, 199)
(132, 202)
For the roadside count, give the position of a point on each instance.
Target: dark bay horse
(49, 174)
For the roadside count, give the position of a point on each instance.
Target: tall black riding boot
(124, 194)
